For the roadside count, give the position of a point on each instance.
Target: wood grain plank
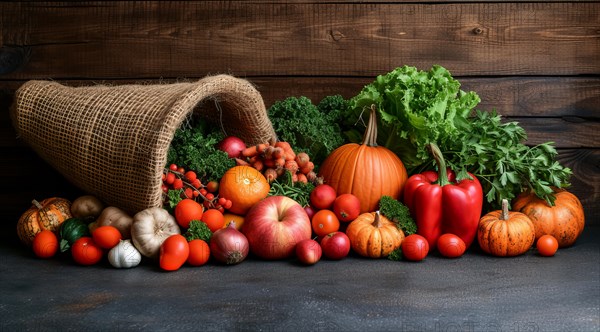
(509, 96)
(190, 39)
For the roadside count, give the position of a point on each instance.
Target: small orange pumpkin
(565, 220)
(505, 233)
(45, 215)
(365, 170)
(373, 235)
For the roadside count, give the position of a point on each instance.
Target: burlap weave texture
(112, 141)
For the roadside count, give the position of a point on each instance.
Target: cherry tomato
(106, 236)
(187, 210)
(45, 244)
(174, 252)
(547, 245)
(213, 219)
(346, 207)
(325, 222)
(199, 252)
(451, 246)
(86, 252)
(415, 247)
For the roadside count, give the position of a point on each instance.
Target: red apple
(232, 145)
(322, 196)
(308, 251)
(335, 245)
(274, 226)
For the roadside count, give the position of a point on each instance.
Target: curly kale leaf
(307, 128)
(195, 149)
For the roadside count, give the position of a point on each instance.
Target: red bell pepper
(439, 204)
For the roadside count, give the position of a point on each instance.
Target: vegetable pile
(429, 173)
(417, 108)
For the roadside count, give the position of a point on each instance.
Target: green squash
(70, 231)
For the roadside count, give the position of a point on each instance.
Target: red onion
(233, 146)
(228, 245)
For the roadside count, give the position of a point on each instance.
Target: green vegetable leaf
(308, 128)
(198, 230)
(397, 213)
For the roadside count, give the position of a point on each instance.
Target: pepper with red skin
(440, 204)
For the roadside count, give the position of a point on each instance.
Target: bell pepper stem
(504, 214)
(441, 163)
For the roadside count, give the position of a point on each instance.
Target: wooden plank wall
(534, 62)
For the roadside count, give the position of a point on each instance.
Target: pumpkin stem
(377, 219)
(370, 136)
(37, 204)
(441, 163)
(504, 215)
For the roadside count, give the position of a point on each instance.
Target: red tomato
(322, 196)
(174, 252)
(86, 252)
(45, 244)
(335, 245)
(199, 252)
(106, 236)
(415, 247)
(547, 245)
(346, 207)
(451, 246)
(213, 219)
(325, 222)
(187, 210)
(308, 251)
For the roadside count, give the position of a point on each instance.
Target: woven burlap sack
(112, 141)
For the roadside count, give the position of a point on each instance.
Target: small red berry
(173, 167)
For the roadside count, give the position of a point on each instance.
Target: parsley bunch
(495, 152)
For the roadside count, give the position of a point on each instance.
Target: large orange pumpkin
(565, 220)
(505, 233)
(373, 235)
(45, 215)
(244, 186)
(365, 170)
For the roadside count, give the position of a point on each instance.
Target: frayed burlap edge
(112, 141)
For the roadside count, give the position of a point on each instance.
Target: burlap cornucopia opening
(112, 141)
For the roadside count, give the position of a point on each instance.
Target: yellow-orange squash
(373, 235)
(365, 170)
(47, 214)
(565, 220)
(505, 233)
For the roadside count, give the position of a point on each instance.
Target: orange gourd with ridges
(45, 215)
(365, 170)
(565, 220)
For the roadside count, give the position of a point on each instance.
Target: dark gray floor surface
(472, 293)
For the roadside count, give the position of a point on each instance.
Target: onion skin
(228, 245)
